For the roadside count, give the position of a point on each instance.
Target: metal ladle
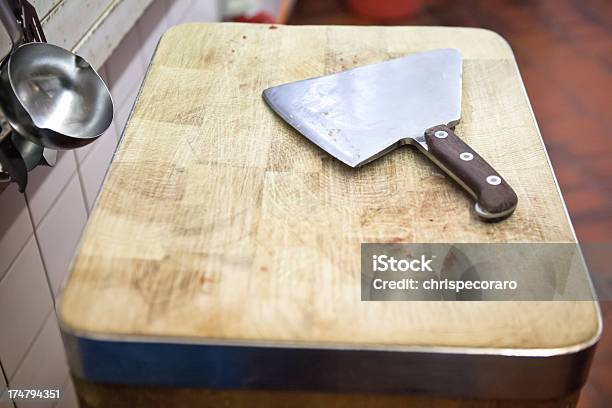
(51, 96)
(21, 156)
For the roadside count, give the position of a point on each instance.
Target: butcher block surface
(218, 222)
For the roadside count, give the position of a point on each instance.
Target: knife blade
(357, 115)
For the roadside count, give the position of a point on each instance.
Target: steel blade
(360, 114)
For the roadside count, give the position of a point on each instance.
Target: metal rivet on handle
(466, 156)
(441, 134)
(494, 180)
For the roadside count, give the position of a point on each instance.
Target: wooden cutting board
(218, 222)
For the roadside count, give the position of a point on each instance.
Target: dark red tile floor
(564, 52)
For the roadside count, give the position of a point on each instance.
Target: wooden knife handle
(495, 199)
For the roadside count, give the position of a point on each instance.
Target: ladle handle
(9, 20)
(32, 29)
(13, 163)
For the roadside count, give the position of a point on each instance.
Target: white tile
(46, 183)
(25, 301)
(5, 402)
(125, 69)
(59, 233)
(269, 6)
(177, 9)
(82, 152)
(122, 114)
(69, 398)
(201, 11)
(15, 226)
(150, 27)
(93, 169)
(4, 399)
(43, 7)
(44, 367)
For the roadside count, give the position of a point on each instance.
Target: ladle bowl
(54, 97)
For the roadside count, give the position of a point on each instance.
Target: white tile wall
(5, 402)
(177, 9)
(44, 367)
(39, 232)
(25, 301)
(4, 399)
(93, 169)
(125, 69)
(46, 183)
(15, 226)
(69, 398)
(81, 153)
(198, 10)
(59, 232)
(121, 116)
(152, 26)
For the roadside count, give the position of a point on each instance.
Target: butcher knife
(363, 113)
